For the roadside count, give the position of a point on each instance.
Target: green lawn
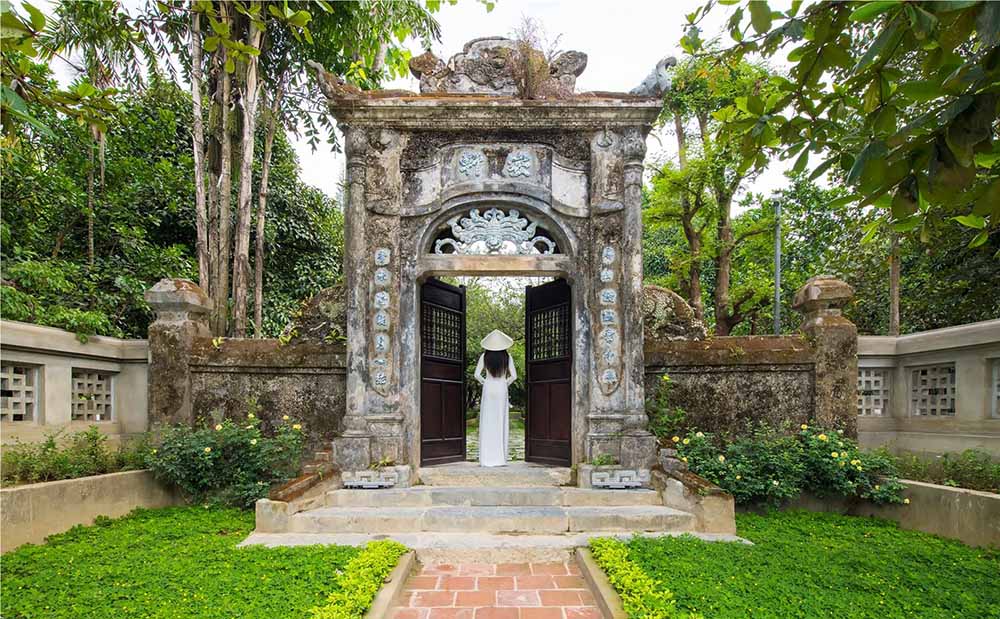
(824, 565)
(177, 562)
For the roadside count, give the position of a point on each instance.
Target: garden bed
(184, 562)
(804, 565)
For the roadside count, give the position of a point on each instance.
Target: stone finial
(658, 81)
(667, 316)
(178, 298)
(426, 64)
(333, 86)
(823, 293)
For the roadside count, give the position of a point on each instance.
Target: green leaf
(921, 90)
(230, 65)
(842, 202)
(971, 221)
(871, 10)
(760, 16)
(300, 19)
(979, 239)
(907, 225)
(37, 17)
(211, 44)
(873, 152)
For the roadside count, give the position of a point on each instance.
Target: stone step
(427, 496)
(517, 474)
(470, 547)
(493, 519)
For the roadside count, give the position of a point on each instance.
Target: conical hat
(497, 340)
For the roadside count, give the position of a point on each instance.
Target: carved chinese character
(517, 164)
(471, 164)
(607, 275)
(609, 316)
(609, 296)
(381, 276)
(608, 255)
(609, 377)
(382, 255)
(381, 299)
(381, 342)
(609, 336)
(381, 320)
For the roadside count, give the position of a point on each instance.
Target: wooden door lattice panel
(441, 332)
(550, 333)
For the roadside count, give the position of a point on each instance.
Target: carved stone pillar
(834, 339)
(182, 310)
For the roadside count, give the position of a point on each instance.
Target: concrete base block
(271, 516)
(352, 453)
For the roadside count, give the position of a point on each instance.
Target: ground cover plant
(771, 466)
(170, 563)
(812, 565)
(69, 457)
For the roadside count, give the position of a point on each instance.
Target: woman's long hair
(497, 362)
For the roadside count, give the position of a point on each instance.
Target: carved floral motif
(494, 232)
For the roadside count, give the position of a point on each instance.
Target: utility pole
(777, 267)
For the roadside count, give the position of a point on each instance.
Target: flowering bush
(80, 455)
(772, 467)
(228, 463)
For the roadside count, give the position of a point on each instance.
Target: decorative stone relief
(471, 164)
(381, 337)
(607, 171)
(518, 164)
(494, 232)
(619, 478)
(608, 327)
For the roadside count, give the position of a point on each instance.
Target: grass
(176, 562)
(823, 565)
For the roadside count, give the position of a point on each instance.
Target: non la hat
(497, 340)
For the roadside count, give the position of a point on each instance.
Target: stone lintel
(535, 266)
(463, 112)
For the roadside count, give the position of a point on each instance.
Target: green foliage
(175, 563)
(769, 466)
(897, 97)
(825, 566)
(230, 463)
(665, 418)
(80, 455)
(973, 469)
(642, 596)
(360, 581)
(604, 460)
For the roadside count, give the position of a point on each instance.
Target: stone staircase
(462, 512)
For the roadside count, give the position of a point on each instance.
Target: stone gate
(468, 178)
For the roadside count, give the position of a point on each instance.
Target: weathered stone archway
(419, 165)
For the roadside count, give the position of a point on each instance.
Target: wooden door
(442, 373)
(549, 369)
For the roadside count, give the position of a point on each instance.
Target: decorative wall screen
(441, 332)
(494, 232)
(996, 387)
(92, 396)
(932, 391)
(17, 392)
(873, 391)
(550, 333)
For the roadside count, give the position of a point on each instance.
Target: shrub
(229, 463)
(82, 454)
(973, 468)
(360, 581)
(772, 467)
(642, 597)
(665, 419)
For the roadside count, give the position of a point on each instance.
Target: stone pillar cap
(178, 295)
(822, 292)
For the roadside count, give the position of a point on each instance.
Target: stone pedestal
(834, 339)
(182, 310)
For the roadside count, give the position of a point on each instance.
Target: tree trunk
(724, 322)
(222, 251)
(894, 269)
(198, 150)
(265, 174)
(694, 272)
(241, 254)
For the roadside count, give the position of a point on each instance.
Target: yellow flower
(699, 435)
(821, 437)
(208, 450)
(218, 426)
(686, 441)
(676, 439)
(665, 378)
(833, 454)
(722, 458)
(153, 452)
(253, 441)
(774, 482)
(297, 427)
(250, 416)
(684, 459)
(841, 464)
(906, 501)
(877, 486)
(855, 462)
(804, 427)
(285, 418)
(739, 477)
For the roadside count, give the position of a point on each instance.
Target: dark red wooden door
(442, 373)
(549, 365)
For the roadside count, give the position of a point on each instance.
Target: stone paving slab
(544, 590)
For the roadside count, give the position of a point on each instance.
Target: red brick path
(500, 591)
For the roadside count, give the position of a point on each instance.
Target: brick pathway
(501, 591)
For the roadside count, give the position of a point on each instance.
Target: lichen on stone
(322, 319)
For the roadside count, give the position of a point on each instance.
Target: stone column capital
(174, 299)
(822, 294)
